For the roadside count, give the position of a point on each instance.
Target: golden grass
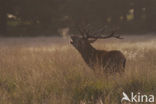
(43, 73)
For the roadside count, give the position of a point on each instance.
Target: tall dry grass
(51, 71)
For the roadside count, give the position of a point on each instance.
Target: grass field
(50, 71)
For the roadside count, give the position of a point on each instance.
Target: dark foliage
(47, 16)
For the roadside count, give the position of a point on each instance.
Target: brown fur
(109, 61)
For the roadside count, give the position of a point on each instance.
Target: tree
(6, 6)
(3, 17)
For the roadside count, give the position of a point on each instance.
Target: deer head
(80, 42)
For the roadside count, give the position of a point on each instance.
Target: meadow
(48, 70)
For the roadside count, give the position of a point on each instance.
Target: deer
(112, 61)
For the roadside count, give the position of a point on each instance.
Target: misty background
(54, 17)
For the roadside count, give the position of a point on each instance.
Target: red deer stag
(110, 61)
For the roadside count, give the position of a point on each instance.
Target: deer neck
(88, 53)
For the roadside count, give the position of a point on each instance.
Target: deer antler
(93, 38)
(91, 34)
(105, 37)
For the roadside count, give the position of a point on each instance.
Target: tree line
(48, 16)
